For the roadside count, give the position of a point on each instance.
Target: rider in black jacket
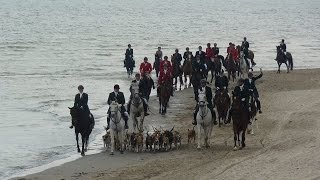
(251, 86)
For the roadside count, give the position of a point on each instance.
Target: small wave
(20, 47)
(101, 54)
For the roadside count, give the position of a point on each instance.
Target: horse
(240, 120)
(251, 55)
(217, 66)
(210, 68)
(83, 124)
(282, 58)
(223, 102)
(129, 65)
(117, 130)
(231, 67)
(164, 96)
(204, 120)
(176, 72)
(156, 64)
(136, 109)
(252, 114)
(243, 67)
(187, 70)
(290, 60)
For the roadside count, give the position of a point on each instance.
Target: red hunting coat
(164, 77)
(145, 67)
(165, 62)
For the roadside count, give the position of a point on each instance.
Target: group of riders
(244, 90)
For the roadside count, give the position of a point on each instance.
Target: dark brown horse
(156, 64)
(223, 102)
(187, 70)
(217, 65)
(231, 67)
(282, 58)
(240, 118)
(176, 72)
(83, 124)
(164, 96)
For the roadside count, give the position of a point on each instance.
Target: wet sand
(285, 145)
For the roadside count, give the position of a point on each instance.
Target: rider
(250, 84)
(245, 49)
(222, 82)
(128, 54)
(241, 91)
(145, 67)
(81, 101)
(186, 54)
(165, 76)
(234, 53)
(229, 48)
(159, 53)
(283, 46)
(141, 86)
(201, 54)
(118, 96)
(165, 61)
(215, 50)
(177, 57)
(148, 83)
(209, 52)
(208, 91)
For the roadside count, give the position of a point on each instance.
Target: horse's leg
(199, 135)
(77, 138)
(279, 65)
(235, 148)
(121, 141)
(206, 135)
(287, 67)
(141, 122)
(243, 144)
(83, 138)
(112, 141)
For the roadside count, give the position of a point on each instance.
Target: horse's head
(74, 112)
(114, 108)
(202, 99)
(135, 90)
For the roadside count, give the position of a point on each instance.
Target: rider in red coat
(145, 67)
(234, 52)
(165, 75)
(165, 61)
(209, 52)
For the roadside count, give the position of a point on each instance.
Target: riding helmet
(116, 86)
(80, 87)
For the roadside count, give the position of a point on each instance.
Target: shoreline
(175, 106)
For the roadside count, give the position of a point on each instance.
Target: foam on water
(48, 48)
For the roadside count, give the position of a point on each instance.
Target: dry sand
(286, 145)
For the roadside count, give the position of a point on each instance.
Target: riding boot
(259, 106)
(172, 91)
(253, 63)
(124, 63)
(194, 122)
(145, 108)
(108, 121)
(128, 106)
(125, 118)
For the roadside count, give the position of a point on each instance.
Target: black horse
(285, 58)
(83, 124)
(129, 64)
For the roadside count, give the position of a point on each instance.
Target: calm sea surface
(49, 47)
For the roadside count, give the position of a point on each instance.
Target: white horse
(244, 69)
(136, 109)
(117, 128)
(204, 120)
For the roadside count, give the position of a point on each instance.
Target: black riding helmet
(116, 86)
(250, 75)
(80, 87)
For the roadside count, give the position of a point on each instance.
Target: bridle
(204, 111)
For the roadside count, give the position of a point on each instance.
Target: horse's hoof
(111, 153)
(85, 150)
(82, 154)
(207, 146)
(235, 148)
(79, 151)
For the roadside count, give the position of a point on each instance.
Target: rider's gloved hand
(243, 99)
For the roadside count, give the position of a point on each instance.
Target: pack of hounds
(156, 141)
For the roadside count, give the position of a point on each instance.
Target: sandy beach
(285, 145)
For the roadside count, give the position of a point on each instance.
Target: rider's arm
(109, 99)
(75, 101)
